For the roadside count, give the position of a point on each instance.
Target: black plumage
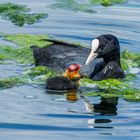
(61, 83)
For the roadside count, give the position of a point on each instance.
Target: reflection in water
(72, 96)
(107, 106)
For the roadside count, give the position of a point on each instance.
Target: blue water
(29, 113)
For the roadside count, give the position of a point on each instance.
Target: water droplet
(30, 97)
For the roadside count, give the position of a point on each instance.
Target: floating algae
(19, 14)
(72, 5)
(113, 88)
(22, 53)
(107, 2)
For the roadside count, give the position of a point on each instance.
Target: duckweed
(23, 53)
(40, 70)
(18, 14)
(107, 2)
(124, 64)
(83, 7)
(20, 55)
(133, 59)
(1, 57)
(72, 5)
(113, 88)
(10, 82)
(27, 40)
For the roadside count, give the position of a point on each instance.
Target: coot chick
(69, 80)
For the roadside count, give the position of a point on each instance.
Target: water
(28, 112)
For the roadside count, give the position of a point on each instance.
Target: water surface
(28, 112)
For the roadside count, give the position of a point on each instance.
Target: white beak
(93, 55)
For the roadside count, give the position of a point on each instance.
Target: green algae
(113, 88)
(129, 77)
(1, 57)
(124, 64)
(107, 3)
(20, 55)
(23, 53)
(36, 75)
(132, 59)
(19, 14)
(83, 7)
(107, 86)
(40, 70)
(10, 82)
(72, 5)
(27, 40)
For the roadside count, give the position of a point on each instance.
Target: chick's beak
(75, 75)
(91, 57)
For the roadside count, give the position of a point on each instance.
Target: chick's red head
(74, 67)
(72, 71)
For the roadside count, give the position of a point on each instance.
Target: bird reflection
(72, 96)
(107, 106)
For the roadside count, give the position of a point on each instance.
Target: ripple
(30, 97)
(52, 116)
(39, 127)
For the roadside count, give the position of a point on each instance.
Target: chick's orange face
(72, 72)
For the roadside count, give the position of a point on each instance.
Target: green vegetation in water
(19, 14)
(1, 57)
(10, 82)
(83, 7)
(72, 5)
(44, 71)
(23, 53)
(107, 2)
(113, 88)
(130, 58)
(35, 75)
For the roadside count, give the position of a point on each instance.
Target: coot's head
(73, 72)
(106, 49)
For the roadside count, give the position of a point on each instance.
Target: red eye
(74, 67)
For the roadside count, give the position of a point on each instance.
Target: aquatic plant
(83, 7)
(19, 14)
(22, 53)
(133, 59)
(106, 2)
(113, 88)
(10, 82)
(40, 70)
(1, 57)
(72, 5)
(35, 75)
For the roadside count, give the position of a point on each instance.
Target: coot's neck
(115, 58)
